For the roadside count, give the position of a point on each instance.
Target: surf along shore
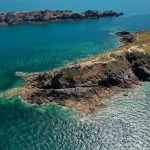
(84, 84)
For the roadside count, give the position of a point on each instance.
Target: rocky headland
(12, 18)
(84, 84)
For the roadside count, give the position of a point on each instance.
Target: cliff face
(140, 65)
(12, 18)
(82, 85)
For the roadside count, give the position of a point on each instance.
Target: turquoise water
(124, 124)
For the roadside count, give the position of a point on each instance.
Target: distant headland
(43, 16)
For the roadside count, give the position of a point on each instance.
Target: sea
(123, 125)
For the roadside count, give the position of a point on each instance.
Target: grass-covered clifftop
(82, 85)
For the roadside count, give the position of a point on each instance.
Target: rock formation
(125, 37)
(82, 85)
(12, 18)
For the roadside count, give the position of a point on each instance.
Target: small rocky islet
(43, 16)
(84, 84)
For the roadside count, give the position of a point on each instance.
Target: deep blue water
(123, 125)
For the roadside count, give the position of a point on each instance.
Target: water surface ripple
(123, 125)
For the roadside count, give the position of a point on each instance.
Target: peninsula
(84, 84)
(43, 16)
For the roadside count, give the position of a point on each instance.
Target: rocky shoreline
(84, 84)
(12, 18)
(125, 37)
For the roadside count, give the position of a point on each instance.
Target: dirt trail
(135, 48)
(107, 55)
(97, 60)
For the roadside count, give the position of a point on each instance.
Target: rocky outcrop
(82, 85)
(125, 37)
(87, 85)
(12, 18)
(140, 65)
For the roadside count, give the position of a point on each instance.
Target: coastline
(84, 84)
(43, 16)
